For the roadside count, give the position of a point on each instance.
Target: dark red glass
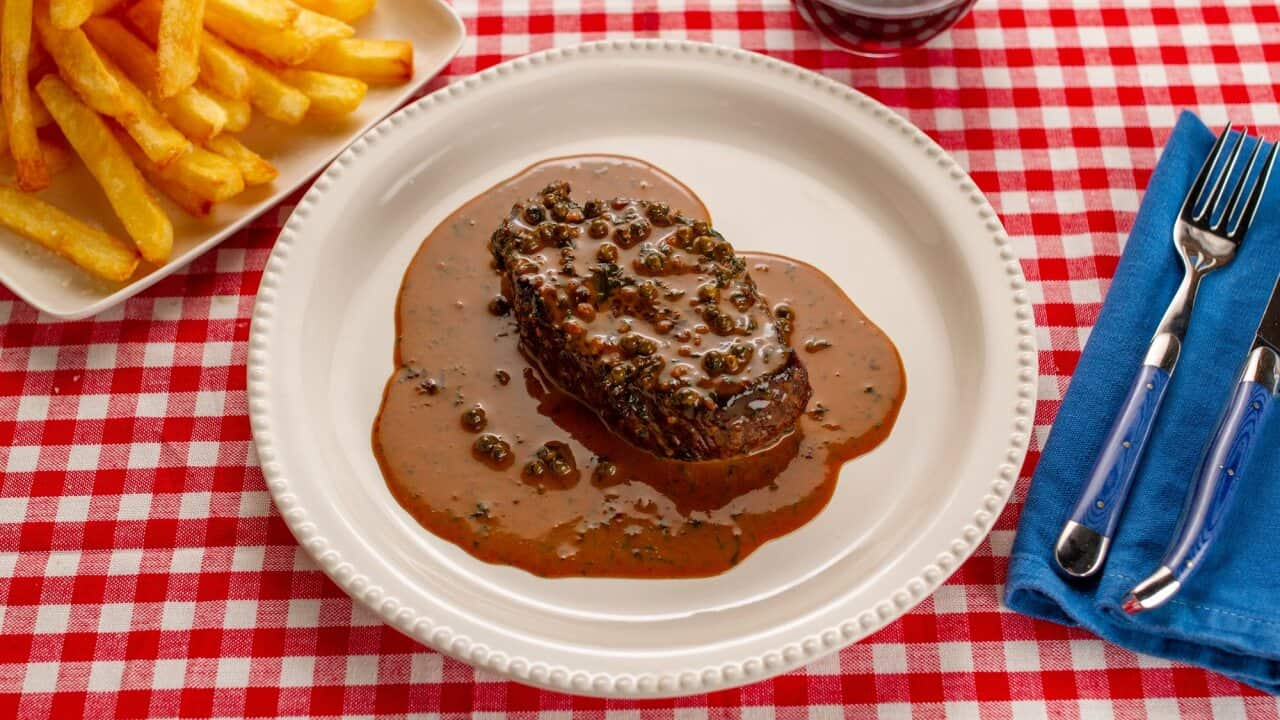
(881, 27)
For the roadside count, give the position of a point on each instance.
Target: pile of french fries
(149, 95)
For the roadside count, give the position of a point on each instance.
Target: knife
(1219, 472)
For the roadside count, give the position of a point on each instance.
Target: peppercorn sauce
(484, 452)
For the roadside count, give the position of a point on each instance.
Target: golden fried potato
(373, 61)
(255, 169)
(178, 44)
(90, 248)
(320, 29)
(15, 94)
(191, 111)
(274, 97)
(161, 142)
(69, 14)
(286, 45)
(344, 10)
(330, 95)
(239, 112)
(219, 70)
(82, 67)
(109, 164)
(191, 202)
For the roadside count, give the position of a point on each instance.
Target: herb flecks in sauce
(613, 510)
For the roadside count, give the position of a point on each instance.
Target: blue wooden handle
(1217, 477)
(1103, 498)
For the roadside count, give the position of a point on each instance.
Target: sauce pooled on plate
(465, 414)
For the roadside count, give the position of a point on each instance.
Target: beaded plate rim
(647, 685)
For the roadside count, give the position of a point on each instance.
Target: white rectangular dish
(56, 287)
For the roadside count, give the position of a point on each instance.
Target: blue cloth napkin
(1228, 617)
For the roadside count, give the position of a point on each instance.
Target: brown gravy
(653, 517)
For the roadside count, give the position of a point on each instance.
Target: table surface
(145, 571)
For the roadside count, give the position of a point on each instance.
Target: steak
(651, 320)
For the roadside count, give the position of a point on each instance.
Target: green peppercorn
(475, 419)
(620, 372)
(535, 469)
(782, 311)
(723, 324)
(722, 251)
(529, 243)
(713, 363)
(708, 293)
(499, 306)
(608, 252)
(533, 214)
(700, 227)
(687, 398)
(598, 229)
(593, 208)
(654, 262)
(704, 245)
(629, 343)
(684, 236)
(648, 291)
(605, 471)
(574, 216)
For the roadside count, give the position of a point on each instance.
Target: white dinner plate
(62, 290)
(851, 187)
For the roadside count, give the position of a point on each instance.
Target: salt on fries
(147, 94)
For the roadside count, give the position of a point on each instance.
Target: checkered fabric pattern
(145, 572)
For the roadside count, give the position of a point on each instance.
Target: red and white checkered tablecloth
(145, 572)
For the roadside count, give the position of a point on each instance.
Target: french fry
(259, 15)
(37, 56)
(161, 142)
(344, 10)
(191, 111)
(320, 29)
(330, 95)
(200, 172)
(15, 94)
(178, 44)
(127, 192)
(255, 169)
(39, 116)
(56, 156)
(90, 248)
(239, 112)
(69, 14)
(373, 61)
(82, 67)
(276, 99)
(190, 202)
(219, 70)
(102, 7)
(207, 174)
(286, 46)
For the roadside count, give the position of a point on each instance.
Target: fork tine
(1255, 195)
(1193, 195)
(1238, 191)
(1206, 212)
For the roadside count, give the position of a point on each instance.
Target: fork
(1203, 246)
